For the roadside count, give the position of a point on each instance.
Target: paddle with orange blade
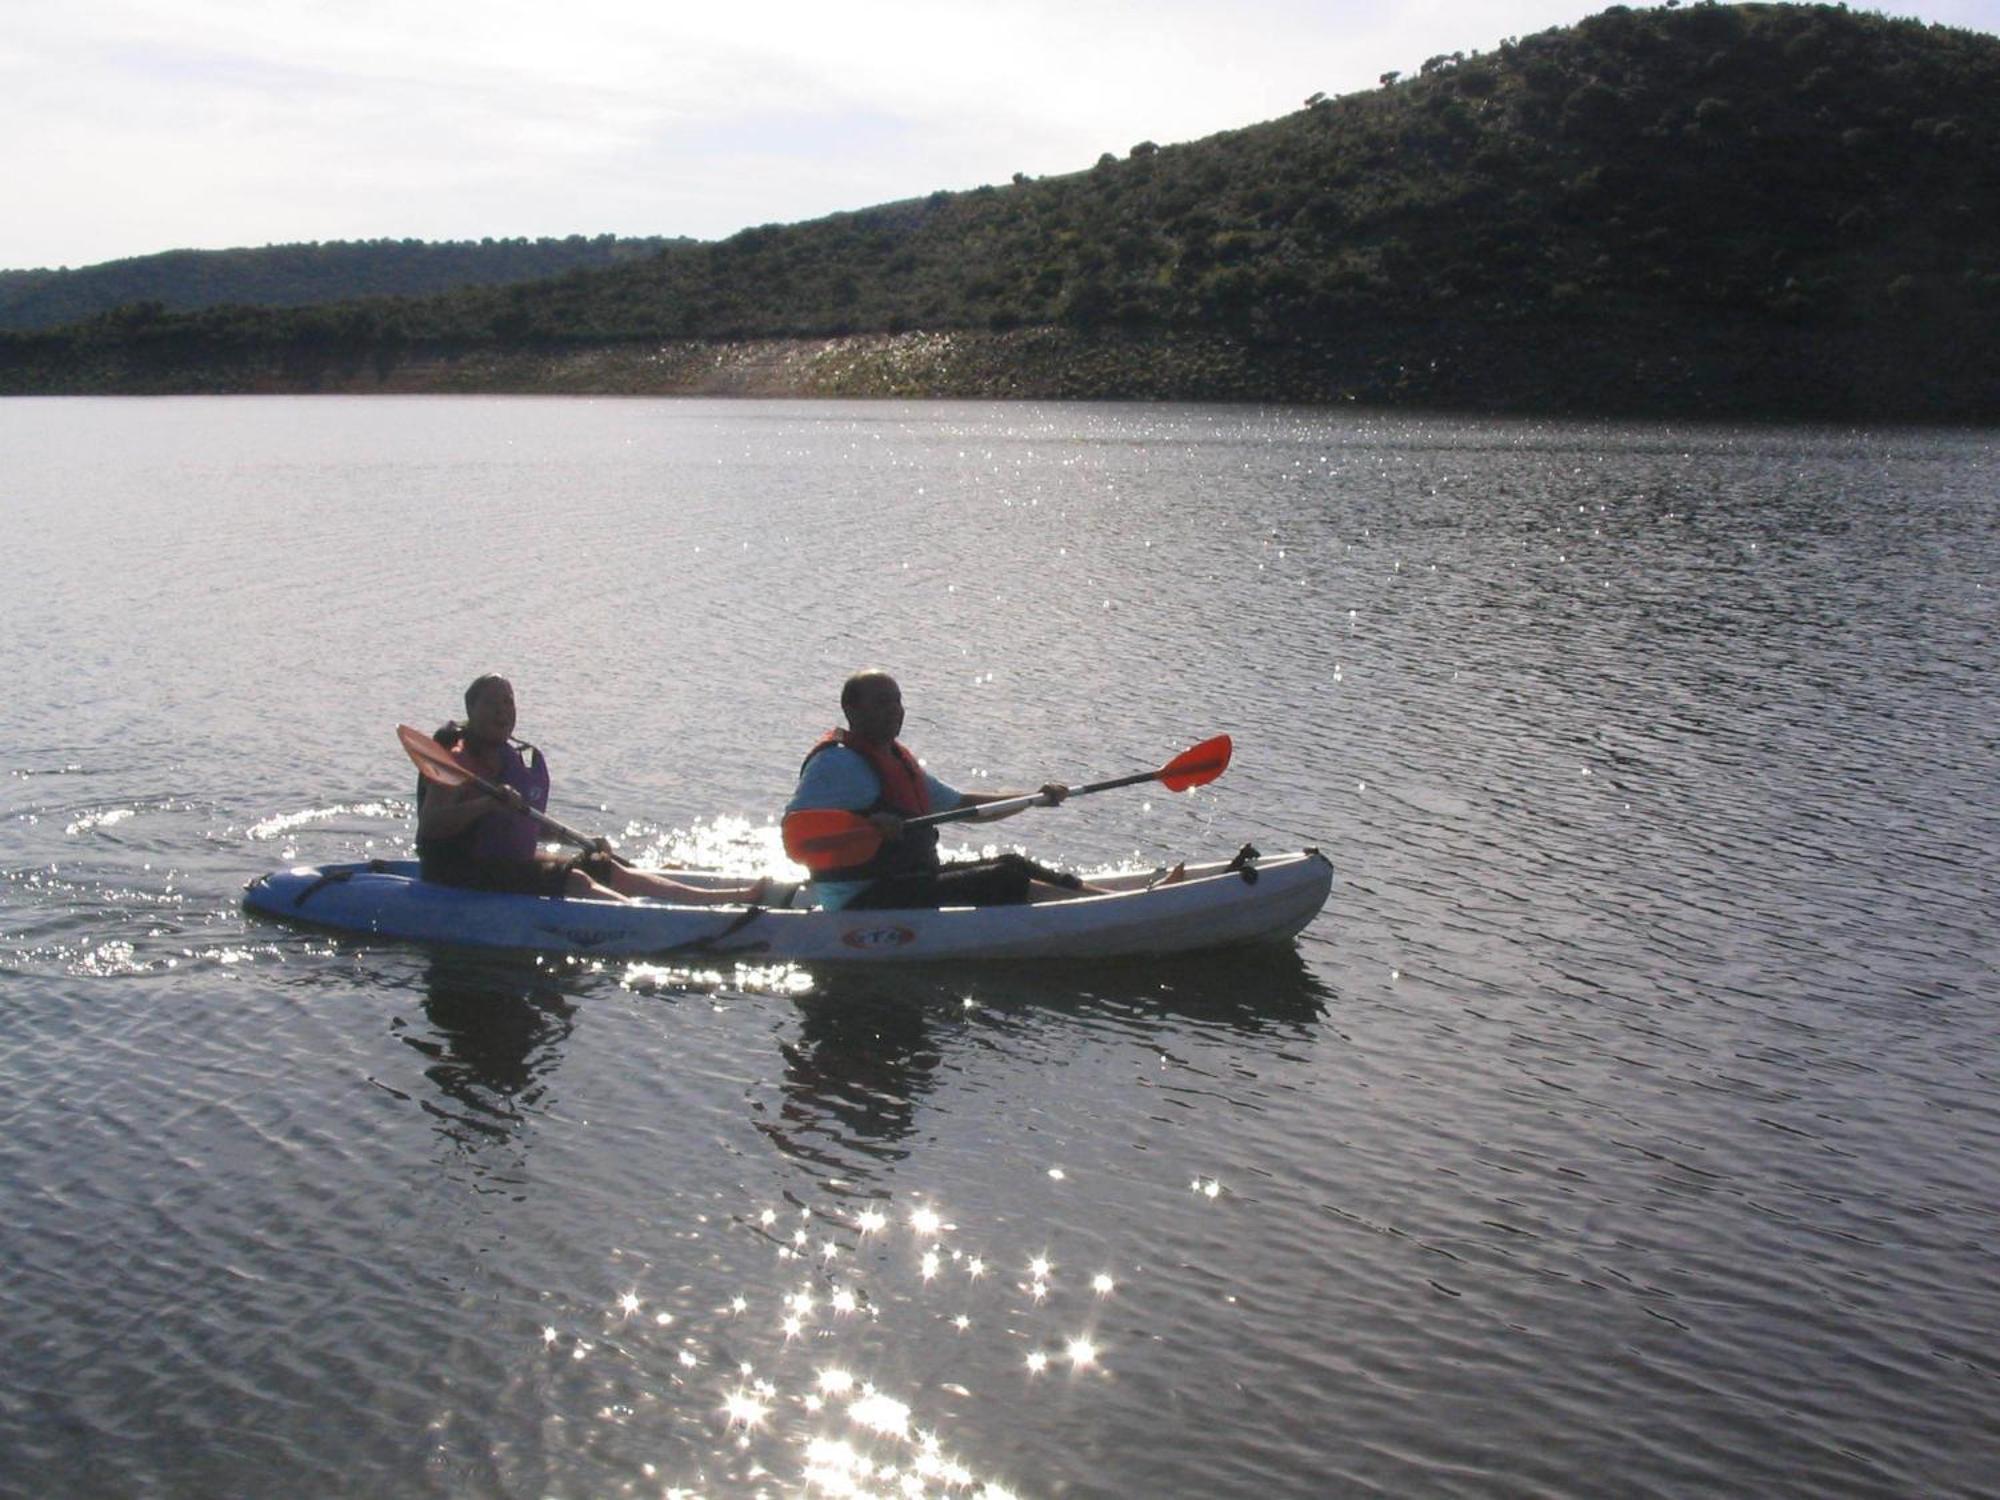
(435, 763)
(830, 839)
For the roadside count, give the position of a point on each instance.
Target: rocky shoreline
(1021, 364)
(1550, 369)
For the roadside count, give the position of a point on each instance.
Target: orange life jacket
(903, 791)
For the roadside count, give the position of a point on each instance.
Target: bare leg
(628, 884)
(581, 886)
(652, 885)
(1041, 890)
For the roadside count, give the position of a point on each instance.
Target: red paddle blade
(825, 838)
(433, 760)
(1197, 766)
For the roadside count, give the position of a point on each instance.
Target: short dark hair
(851, 689)
(479, 686)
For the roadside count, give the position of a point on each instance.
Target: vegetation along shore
(1707, 210)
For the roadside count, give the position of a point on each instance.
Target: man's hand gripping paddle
(830, 839)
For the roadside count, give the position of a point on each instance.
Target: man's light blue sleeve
(943, 798)
(835, 778)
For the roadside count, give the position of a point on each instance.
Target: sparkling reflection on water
(1626, 1126)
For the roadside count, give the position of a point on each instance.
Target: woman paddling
(470, 838)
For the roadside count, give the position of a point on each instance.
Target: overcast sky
(132, 126)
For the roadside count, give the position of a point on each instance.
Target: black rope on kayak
(338, 876)
(1245, 863)
(708, 944)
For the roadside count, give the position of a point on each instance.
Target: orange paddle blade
(434, 762)
(1197, 766)
(825, 838)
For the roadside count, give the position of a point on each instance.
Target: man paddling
(864, 769)
(469, 837)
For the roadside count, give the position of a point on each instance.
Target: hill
(300, 275)
(1729, 210)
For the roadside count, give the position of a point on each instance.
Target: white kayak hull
(1216, 906)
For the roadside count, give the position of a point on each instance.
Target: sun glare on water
(808, 1381)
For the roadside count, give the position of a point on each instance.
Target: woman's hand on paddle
(1053, 793)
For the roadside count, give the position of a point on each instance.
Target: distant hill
(300, 275)
(1752, 209)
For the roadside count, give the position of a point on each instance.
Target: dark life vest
(500, 835)
(902, 790)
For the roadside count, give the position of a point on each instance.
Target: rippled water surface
(1628, 1124)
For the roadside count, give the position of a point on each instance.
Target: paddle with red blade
(435, 763)
(830, 839)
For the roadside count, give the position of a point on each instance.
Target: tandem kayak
(1246, 900)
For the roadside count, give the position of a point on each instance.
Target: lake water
(1628, 1124)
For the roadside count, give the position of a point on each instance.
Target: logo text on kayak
(877, 937)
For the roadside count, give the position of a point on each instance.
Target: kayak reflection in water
(863, 769)
(467, 837)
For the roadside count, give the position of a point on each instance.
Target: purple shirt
(507, 835)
